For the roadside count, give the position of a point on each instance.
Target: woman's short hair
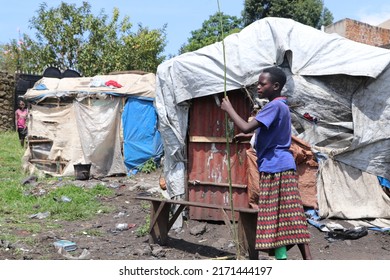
(277, 75)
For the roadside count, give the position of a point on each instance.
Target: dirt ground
(98, 239)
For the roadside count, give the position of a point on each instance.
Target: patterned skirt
(281, 220)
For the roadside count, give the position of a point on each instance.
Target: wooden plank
(247, 234)
(40, 140)
(198, 204)
(204, 183)
(211, 139)
(51, 103)
(207, 139)
(45, 161)
(160, 223)
(159, 219)
(174, 217)
(156, 215)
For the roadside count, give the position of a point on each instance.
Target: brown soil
(99, 239)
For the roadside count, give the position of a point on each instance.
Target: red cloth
(113, 83)
(310, 118)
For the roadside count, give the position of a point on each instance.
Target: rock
(29, 180)
(159, 252)
(198, 229)
(197, 256)
(147, 251)
(220, 243)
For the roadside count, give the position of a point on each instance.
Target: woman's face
(22, 105)
(265, 88)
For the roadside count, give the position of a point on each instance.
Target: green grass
(149, 166)
(143, 229)
(11, 154)
(17, 203)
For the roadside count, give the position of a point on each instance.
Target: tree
(72, 37)
(309, 12)
(146, 44)
(326, 18)
(211, 31)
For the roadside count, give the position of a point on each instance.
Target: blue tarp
(142, 139)
(384, 182)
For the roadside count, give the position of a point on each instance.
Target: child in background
(21, 121)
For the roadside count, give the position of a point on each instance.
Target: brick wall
(367, 34)
(361, 32)
(7, 101)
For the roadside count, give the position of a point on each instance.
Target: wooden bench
(161, 222)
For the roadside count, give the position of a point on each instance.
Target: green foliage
(144, 45)
(83, 205)
(326, 18)
(149, 166)
(72, 37)
(144, 228)
(11, 153)
(309, 12)
(211, 32)
(7, 60)
(145, 205)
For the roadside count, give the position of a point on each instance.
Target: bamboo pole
(234, 226)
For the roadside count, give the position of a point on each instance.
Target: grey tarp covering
(81, 134)
(330, 77)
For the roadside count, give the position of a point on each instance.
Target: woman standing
(281, 220)
(21, 121)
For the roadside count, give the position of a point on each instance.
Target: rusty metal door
(208, 179)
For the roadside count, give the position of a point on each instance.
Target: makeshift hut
(338, 94)
(106, 121)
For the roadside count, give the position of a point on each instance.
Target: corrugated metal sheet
(208, 172)
(215, 195)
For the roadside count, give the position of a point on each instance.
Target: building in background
(378, 36)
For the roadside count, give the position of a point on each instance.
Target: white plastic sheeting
(80, 134)
(99, 130)
(345, 192)
(341, 82)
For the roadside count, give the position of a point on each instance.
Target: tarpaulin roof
(130, 84)
(343, 84)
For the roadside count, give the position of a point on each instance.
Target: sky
(181, 16)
